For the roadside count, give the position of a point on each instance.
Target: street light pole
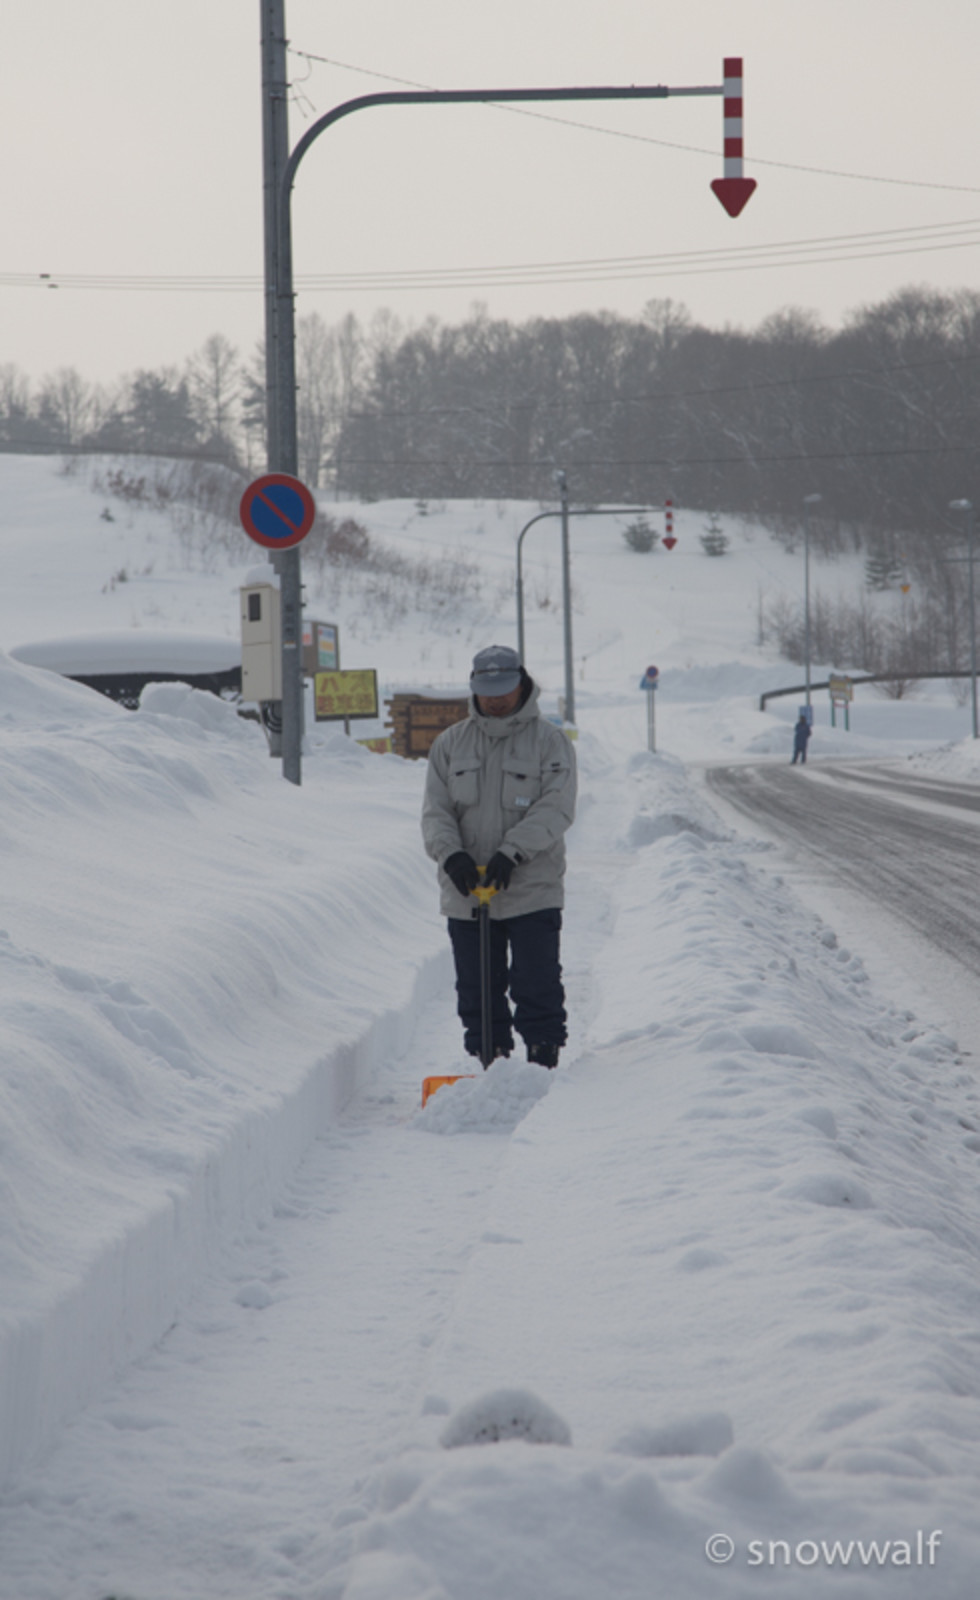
(281, 452)
(733, 191)
(545, 516)
(967, 506)
(566, 598)
(808, 501)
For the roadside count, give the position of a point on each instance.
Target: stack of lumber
(416, 719)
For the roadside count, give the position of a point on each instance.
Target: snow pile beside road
(951, 761)
(199, 963)
(34, 698)
(200, 710)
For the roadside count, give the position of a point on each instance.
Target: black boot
(544, 1053)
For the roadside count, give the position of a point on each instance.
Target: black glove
(463, 871)
(499, 869)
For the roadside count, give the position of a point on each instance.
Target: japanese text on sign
(346, 694)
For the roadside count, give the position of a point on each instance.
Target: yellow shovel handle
(484, 892)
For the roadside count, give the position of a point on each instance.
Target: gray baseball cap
(496, 670)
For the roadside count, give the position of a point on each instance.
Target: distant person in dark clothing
(801, 736)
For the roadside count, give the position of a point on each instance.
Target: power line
(667, 144)
(819, 251)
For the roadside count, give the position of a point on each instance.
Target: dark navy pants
(524, 967)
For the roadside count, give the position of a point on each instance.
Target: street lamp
(564, 514)
(967, 506)
(808, 501)
(568, 712)
(279, 173)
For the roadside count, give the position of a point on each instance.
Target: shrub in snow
(714, 541)
(640, 536)
(505, 1414)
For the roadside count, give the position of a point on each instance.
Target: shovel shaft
(486, 988)
(484, 895)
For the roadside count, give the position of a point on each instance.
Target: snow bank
(196, 976)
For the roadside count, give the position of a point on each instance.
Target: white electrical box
(261, 642)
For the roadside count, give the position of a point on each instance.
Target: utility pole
(808, 501)
(967, 506)
(566, 595)
(280, 389)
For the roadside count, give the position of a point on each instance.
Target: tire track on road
(920, 865)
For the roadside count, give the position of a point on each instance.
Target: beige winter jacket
(502, 783)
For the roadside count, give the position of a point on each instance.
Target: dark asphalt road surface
(868, 826)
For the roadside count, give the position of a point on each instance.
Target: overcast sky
(132, 146)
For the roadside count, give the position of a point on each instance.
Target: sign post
(649, 682)
(669, 540)
(278, 511)
(841, 694)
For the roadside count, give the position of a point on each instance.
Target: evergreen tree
(714, 541)
(881, 568)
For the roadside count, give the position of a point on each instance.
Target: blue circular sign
(277, 511)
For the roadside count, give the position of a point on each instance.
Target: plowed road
(912, 844)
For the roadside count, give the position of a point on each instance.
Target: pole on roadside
(808, 501)
(649, 683)
(967, 506)
(544, 516)
(566, 597)
(280, 377)
(970, 527)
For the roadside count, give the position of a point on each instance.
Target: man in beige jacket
(500, 792)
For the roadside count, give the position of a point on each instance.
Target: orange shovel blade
(430, 1085)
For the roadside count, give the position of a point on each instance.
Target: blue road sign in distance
(277, 511)
(649, 679)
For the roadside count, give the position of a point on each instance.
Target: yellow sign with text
(841, 689)
(346, 694)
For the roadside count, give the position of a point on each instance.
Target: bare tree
(67, 401)
(214, 382)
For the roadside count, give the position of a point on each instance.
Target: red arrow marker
(668, 540)
(733, 190)
(734, 193)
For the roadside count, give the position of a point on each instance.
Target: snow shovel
(484, 895)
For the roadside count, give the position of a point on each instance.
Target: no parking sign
(277, 511)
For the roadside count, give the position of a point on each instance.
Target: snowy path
(291, 1375)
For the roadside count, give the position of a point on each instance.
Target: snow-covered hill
(715, 1280)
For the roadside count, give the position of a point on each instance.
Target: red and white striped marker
(668, 538)
(734, 189)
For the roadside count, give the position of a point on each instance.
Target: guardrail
(873, 677)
